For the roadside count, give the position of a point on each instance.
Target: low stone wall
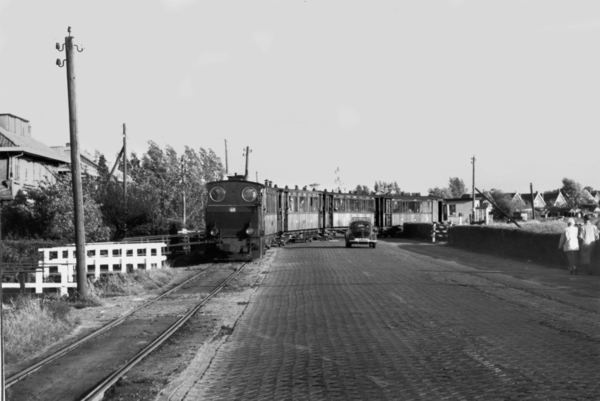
(512, 243)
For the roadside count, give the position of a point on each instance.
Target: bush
(418, 230)
(540, 247)
(548, 227)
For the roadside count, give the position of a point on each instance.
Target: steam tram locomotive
(244, 217)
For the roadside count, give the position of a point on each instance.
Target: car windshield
(360, 225)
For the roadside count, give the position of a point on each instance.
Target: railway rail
(97, 391)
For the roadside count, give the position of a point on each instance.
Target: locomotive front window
(217, 194)
(249, 194)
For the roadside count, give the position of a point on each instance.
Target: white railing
(57, 269)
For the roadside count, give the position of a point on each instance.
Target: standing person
(588, 234)
(570, 245)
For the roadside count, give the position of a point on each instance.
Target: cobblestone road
(335, 323)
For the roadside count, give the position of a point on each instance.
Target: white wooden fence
(57, 269)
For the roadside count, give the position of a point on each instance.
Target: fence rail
(57, 268)
(174, 242)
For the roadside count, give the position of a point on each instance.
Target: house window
(452, 209)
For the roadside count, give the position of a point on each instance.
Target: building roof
(19, 143)
(14, 115)
(467, 197)
(551, 195)
(526, 197)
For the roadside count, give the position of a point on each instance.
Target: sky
(405, 91)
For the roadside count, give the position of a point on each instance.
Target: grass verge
(134, 283)
(31, 324)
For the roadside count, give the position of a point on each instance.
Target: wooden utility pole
(2, 392)
(183, 171)
(247, 154)
(125, 164)
(473, 191)
(532, 201)
(226, 161)
(75, 164)
(113, 169)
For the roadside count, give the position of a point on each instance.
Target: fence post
(64, 271)
(22, 278)
(39, 280)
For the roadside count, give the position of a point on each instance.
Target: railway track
(96, 391)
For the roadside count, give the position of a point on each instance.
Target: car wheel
(373, 245)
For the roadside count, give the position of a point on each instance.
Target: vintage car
(361, 232)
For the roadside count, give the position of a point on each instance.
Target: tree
(504, 202)
(362, 190)
(441, 192)
(47, 212)
(457, 187)
(386, 187)
(102, 167)
(572, 192)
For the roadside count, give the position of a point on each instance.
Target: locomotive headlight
(217, 194)
(249, 194)
(249, 231)
(214, 231)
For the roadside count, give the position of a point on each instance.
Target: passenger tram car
(243, 218)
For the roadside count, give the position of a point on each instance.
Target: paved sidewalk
(393, 323)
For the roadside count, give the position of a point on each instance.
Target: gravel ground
(195, 343)
(164, 367)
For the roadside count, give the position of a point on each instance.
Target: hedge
(417, 230)
(534, 246)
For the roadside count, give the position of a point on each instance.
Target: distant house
(596, 196)
(556, 204)
(588, 197)
(517, 199)
(24, 161)
(590, 204)
(459, 210)
(538, 203)
(88, 165)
